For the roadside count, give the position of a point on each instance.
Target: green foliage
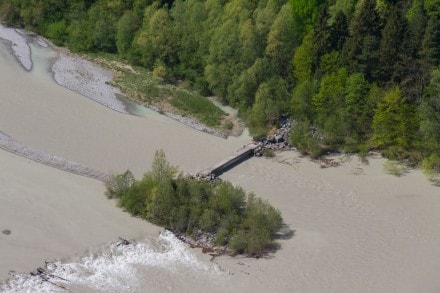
(395, 168)
(161, 170)
(303, 59)
(358, 106)
(363, 43)
(395, 122)
(327, 63)
(269, 104)
(307, 142)
(431, 39)
(304, 14)
(57, 32)
(344, 6)
(246, 224)
(431, 167)
(280, 44)
(117, 185)
(391, 50)
(125, 32)
(429, 111)
(199, 106)
(302, 100)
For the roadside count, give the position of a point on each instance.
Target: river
(352, 228)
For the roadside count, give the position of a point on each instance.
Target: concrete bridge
(239, 156)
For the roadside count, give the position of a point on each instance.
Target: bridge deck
(238, 156)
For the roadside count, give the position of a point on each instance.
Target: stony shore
(11, 145)
(87, 79)
(19, 45)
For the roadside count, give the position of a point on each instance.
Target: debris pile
(278, 141)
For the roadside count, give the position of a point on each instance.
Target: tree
(242, 91)
(391, 51)
(345, 7)
(117, 185)
(302, 107)
(304, 14)
(431, 39)
(103, 26)
(329, 100)
(338, 32)
(329, 105)
(303, 59)
(395, 123)
(270, 101)
(321, 38)
(358, 107)
(224, 50)
(161, 170)
(156, 41)
(279, 49)
(363, 43)
(189, 19)
(125, 31)
(163, 201)
(430, 113)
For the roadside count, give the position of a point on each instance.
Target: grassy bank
(147, 87)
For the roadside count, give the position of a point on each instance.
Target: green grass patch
(197, 106)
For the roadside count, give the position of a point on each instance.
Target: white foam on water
(116, 268)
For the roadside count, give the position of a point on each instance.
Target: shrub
(209, 220)
(57, 32)
(431, 167)
(117, 185)
(222, 237)
(198, 106)
(394, 168)
(197, 207)
(268, 153)
(238, 242)
(304, 140)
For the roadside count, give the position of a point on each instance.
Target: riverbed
(352, 228)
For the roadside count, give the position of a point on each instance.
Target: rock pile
(278, 141)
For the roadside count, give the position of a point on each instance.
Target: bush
(117, 185)
(268, 153)
(202, 108)
(190, 206)
(395, 168)
(222, 237)
(431, 167)
(304, 140)
(238, 242)
(57, 32)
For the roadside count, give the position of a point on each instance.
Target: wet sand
(353, 228)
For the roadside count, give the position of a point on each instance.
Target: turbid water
(352, 228)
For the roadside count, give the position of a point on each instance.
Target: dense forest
(354, 75)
